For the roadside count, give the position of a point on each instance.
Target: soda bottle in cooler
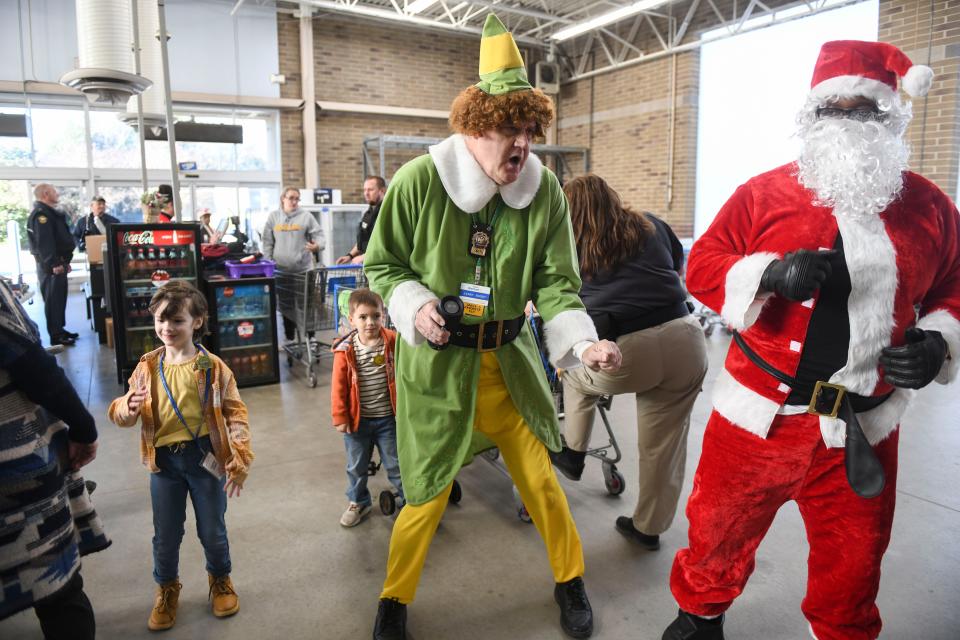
(184, 262)
(264, 364)
(162, 262)
(141, 266)
(151, 259)
(130, 265)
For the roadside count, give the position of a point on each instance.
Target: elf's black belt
(487, 336)
(864, 472)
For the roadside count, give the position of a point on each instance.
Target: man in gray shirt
(291, 238)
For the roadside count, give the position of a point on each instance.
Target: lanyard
(476, 221)
(173, 403)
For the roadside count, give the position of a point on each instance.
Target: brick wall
(369, 63)
(934, 134)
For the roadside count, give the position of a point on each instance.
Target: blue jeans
(359, 445)
(181, 474)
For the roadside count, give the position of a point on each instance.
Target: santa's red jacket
(906, 258)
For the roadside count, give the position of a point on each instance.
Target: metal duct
(104, 37)
(151, 67)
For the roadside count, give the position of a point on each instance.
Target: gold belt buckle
(482, 332)
(818, 390)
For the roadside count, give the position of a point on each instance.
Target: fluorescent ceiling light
(605, 19)
(420, 5)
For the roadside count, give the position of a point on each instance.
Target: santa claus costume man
(841, 274)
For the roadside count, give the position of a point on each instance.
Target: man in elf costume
(841, 274)
(481, 218)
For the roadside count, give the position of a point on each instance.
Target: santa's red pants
(742, 481)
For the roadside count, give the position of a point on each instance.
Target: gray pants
(664, 367)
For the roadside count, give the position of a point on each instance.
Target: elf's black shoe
(690, 627)
(71, 334)
(569, 462)
(391, 621)
(576, 616)
(648, 542)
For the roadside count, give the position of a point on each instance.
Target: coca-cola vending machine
(143, 257)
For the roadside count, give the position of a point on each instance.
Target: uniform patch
(42, 219)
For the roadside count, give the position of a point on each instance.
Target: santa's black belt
(487, 336)
(864, 472)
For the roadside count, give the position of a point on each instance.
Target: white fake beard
(854, 167)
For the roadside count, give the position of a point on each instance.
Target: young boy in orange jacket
(364, 400)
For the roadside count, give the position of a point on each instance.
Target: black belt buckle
(826, 399)
(482, 333)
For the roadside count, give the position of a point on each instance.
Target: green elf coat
(419, 251)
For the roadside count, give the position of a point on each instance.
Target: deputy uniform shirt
(365, 228)
(182, 382)
(372, 379)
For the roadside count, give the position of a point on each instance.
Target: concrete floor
(300, 575)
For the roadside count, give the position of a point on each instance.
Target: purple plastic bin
(254, 269)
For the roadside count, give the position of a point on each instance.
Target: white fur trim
(563, 332)
(741, 301)
(872, 263)
(852, 86)
(470, 188)
(812, 634)
(405, 301)
(947, 324)
(877, 424)
(916, 82)
(743, 406)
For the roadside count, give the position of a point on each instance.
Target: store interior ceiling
(571, 32)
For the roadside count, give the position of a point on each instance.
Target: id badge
(211, 466)
(475, 299)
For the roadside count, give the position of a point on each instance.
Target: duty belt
(864, 471)
(487, 336)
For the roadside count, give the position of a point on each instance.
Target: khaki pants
(664, 367)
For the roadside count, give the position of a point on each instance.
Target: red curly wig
(473, 111)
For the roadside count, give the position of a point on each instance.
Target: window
(59, 137)
(14, 152)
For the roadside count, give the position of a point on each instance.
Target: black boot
(569, 462)
(576, 616)
(690, 627)
(391, 621)
(647, 541)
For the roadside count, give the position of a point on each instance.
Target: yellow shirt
(182, 382)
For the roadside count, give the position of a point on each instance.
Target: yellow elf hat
(501, 67)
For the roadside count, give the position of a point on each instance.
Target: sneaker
(576, 615)
(648, 542)
(354, 514)
(690, 627)
(164, 613)
(223, 599)
(569, 462)
(391, 621)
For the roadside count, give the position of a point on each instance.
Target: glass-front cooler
(244, 334)
(143, 258)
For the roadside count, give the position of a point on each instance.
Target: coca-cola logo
(138, 237)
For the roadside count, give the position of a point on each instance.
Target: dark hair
(166, 190)
(97, 199)
(180, 295)
(381, 183)
(364, 296)
(606, 232)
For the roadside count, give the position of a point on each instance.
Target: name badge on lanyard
(475, 298)
(210, 464)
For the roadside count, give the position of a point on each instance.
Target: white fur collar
(470, 188)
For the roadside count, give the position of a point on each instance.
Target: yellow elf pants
(529, 465)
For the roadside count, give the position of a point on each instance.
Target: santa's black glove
(916, 363)
(798, 275)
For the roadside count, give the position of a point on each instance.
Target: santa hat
(854, 68)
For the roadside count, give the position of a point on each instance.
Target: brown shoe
(224, 599)
(164, 613)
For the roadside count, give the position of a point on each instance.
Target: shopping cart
(308, 299)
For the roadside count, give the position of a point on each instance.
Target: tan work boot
(224, 599)
(164, 613)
